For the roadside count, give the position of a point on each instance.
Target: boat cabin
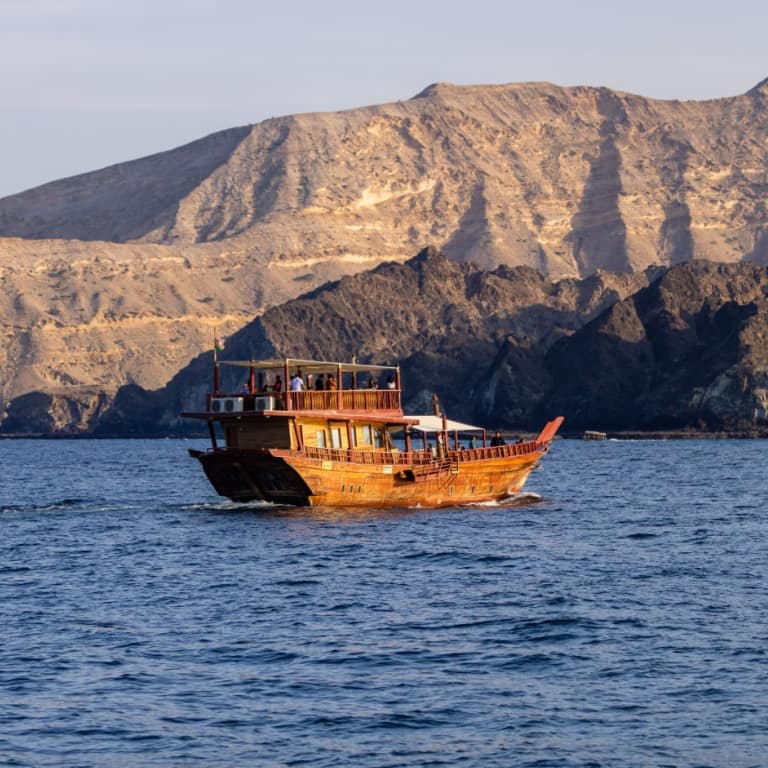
(320, 407)
(305, 405)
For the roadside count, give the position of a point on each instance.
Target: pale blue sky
(88, 83)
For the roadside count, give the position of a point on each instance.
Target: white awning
(435, 424)
(308, 366)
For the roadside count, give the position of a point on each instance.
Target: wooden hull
(291, 477)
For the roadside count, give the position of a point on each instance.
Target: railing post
(287, 386)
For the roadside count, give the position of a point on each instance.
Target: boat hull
(291, 477)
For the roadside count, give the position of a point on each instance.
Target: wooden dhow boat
(317, 433)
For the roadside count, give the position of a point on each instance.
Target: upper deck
(341, 388)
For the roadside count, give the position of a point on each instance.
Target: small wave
(459, 556)
(53, 506)
(444, 556)
(7, 570)
(530, 661)
(408, 721)
(296, 582)
(641, 536)
(555, 630)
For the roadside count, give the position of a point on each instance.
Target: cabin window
(272, 433)
(378, 438)
(321, 438)
(335, 437)
(367, 438)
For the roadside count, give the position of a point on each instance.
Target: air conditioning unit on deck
(226, 404)
(264, 403)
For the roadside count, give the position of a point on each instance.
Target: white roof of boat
(435, 424)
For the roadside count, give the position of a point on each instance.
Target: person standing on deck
(497, 439)
(297, 383)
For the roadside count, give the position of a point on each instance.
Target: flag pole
(216, 383)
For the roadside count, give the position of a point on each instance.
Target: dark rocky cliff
(682, 347)
(690, 350)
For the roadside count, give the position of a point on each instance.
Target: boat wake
(521, 499)
(237, 506)
(53, 506)
(266, 507)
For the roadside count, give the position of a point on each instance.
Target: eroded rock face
(690, 350)
(120, 275)
(681, 347)
(38, 413)
(670, 348)
(444, 322)
(101, 315)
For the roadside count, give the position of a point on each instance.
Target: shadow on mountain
(123, 202)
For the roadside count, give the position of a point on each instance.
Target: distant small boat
(334, 447)
(591, 434)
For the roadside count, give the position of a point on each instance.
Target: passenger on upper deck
(497, 439)
(372, 383)
(390, 382)
(320, 381)
(278, 385)
(330, 382)
(297, 383)
(245, 389)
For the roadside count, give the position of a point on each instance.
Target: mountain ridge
(566, 181)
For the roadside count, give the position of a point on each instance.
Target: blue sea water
(618, 616)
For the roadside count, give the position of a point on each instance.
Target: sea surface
(617, 615)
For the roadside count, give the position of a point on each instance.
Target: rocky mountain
(120, 275)
(670, 348)
(443, 321)
(684, 347)
(688, 351)
(95, 316)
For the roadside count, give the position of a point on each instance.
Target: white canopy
(435, 424)
(307, 366)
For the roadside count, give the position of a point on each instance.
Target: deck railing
(368, 457)
(378, 456)
(496, 451)
(341, 400)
